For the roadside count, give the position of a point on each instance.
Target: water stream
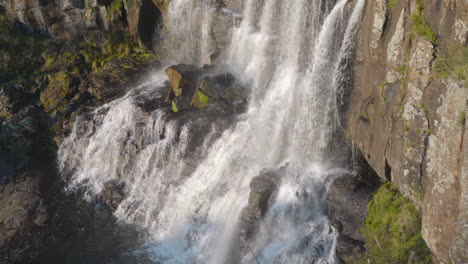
(295, 56)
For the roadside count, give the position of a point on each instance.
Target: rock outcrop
(263, 191)
(408, 116)
(201, 87)
(71, 19)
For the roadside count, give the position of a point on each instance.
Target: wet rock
(195, 87)
(346, 206)
(112, 194)
(263, 190)
(212, 88)
(346, 202)
(184, 80)
(347, 247)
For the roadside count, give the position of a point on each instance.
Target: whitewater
(294, 56)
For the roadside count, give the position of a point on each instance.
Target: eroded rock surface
(403, 116)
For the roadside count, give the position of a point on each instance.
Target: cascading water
(187, 33)
(295, 55)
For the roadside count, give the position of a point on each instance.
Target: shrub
(461, 118)
(454, 65)
(392, 4)
(420, 25)
(393, 230)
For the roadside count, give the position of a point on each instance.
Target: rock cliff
(72, 19)
(408, 111)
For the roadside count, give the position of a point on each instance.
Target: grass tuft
(461, 118)
(392, 4)
(393, 230)
(420, 25)
(454, 65)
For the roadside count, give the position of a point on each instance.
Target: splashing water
(296, 57)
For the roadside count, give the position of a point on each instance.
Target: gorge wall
(408, 111)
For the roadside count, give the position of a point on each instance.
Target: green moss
(203, 98)
(392, 4)
(454, 65)
(461, 118)
(97, 53)
(393, 230)
(200, 99)
(115, 9)
(420, 195)
(420, 26)
(174, 107)
(423, 107)
(62, 81)
(403, 70)
(236, 93)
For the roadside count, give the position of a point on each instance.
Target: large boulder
(201, 87)
(184, 80)
(112, 194)
(212, 88)
(263, 190)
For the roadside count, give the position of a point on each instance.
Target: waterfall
(187, 34)
(295, 56)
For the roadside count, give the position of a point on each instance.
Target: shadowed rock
(263, 190)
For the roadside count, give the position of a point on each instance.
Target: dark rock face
(347, 200)
(22, 211)
(113, 194)
(263, 189)
(346, 205)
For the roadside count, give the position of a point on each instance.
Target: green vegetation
(203, 98)
(236, 93)
(200, 99)
(115, 9)
(393, 230)
(20, 51)
(62, 80)
(95, 52)
(174, 107)
(454, 65)
(392, 4)
(420, 25)
(461, 118)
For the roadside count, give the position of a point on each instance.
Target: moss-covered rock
(393, 230)
(219, 88)
(200, 99)
(453, 65)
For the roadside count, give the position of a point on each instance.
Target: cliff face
(408, 111)
(72, 19)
